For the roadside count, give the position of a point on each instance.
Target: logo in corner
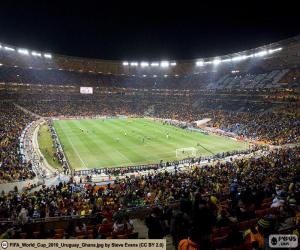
(283, 241)
(4, 244)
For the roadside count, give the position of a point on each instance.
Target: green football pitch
(96, 143)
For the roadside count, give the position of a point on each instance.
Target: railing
(132, 211)
(145, 167)
(131, 168)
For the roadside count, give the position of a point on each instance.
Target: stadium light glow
(134, 64)
(9, 48)
(23, 51)
(176, 75)
(270, 51)
(144, 75)
(200, 63)
(216, 61)
(125, 63)
(154, 64)
(173, 63)
(164, 64)
(165, 75)
(1, 64)
(226, 60)
(0, 46)
(36, 54)
(144, 64)
(261, 53)
(49, 56)
(237, 58)
(154, 76)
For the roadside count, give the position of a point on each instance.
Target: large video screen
(86, 90)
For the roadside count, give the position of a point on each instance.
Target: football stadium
(203, 153)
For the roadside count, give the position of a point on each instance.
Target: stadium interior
(227, 200)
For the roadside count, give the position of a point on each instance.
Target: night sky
(146, 30)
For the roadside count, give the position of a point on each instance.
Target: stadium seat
(244, 225)
(59, 231)
(23, 235)
(58, 236)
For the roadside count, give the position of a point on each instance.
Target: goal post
(186, 152)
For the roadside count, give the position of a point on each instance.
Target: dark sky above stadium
(145, 30)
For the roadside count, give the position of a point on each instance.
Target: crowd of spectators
(219, 195)
(270, 127)
(12, 122)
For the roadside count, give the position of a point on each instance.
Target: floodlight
(261, 53)
(0, 46)
(9, 48)
(173, 63)
(49, 56)
(154, 76)
(270, 51)
(154, 64)
(60, 69)
(144, 64)
(125, 63)
(36, 54)
(176, 75)
(1, 64)
(165, 75)
(200, 63)
(216, 61)
(226, 60)
(23, 51)
(144, 75)
(134, 64)
(164, 64)
(236, 58)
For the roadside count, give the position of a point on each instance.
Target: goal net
(186, 152)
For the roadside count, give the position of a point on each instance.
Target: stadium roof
(285, 52)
